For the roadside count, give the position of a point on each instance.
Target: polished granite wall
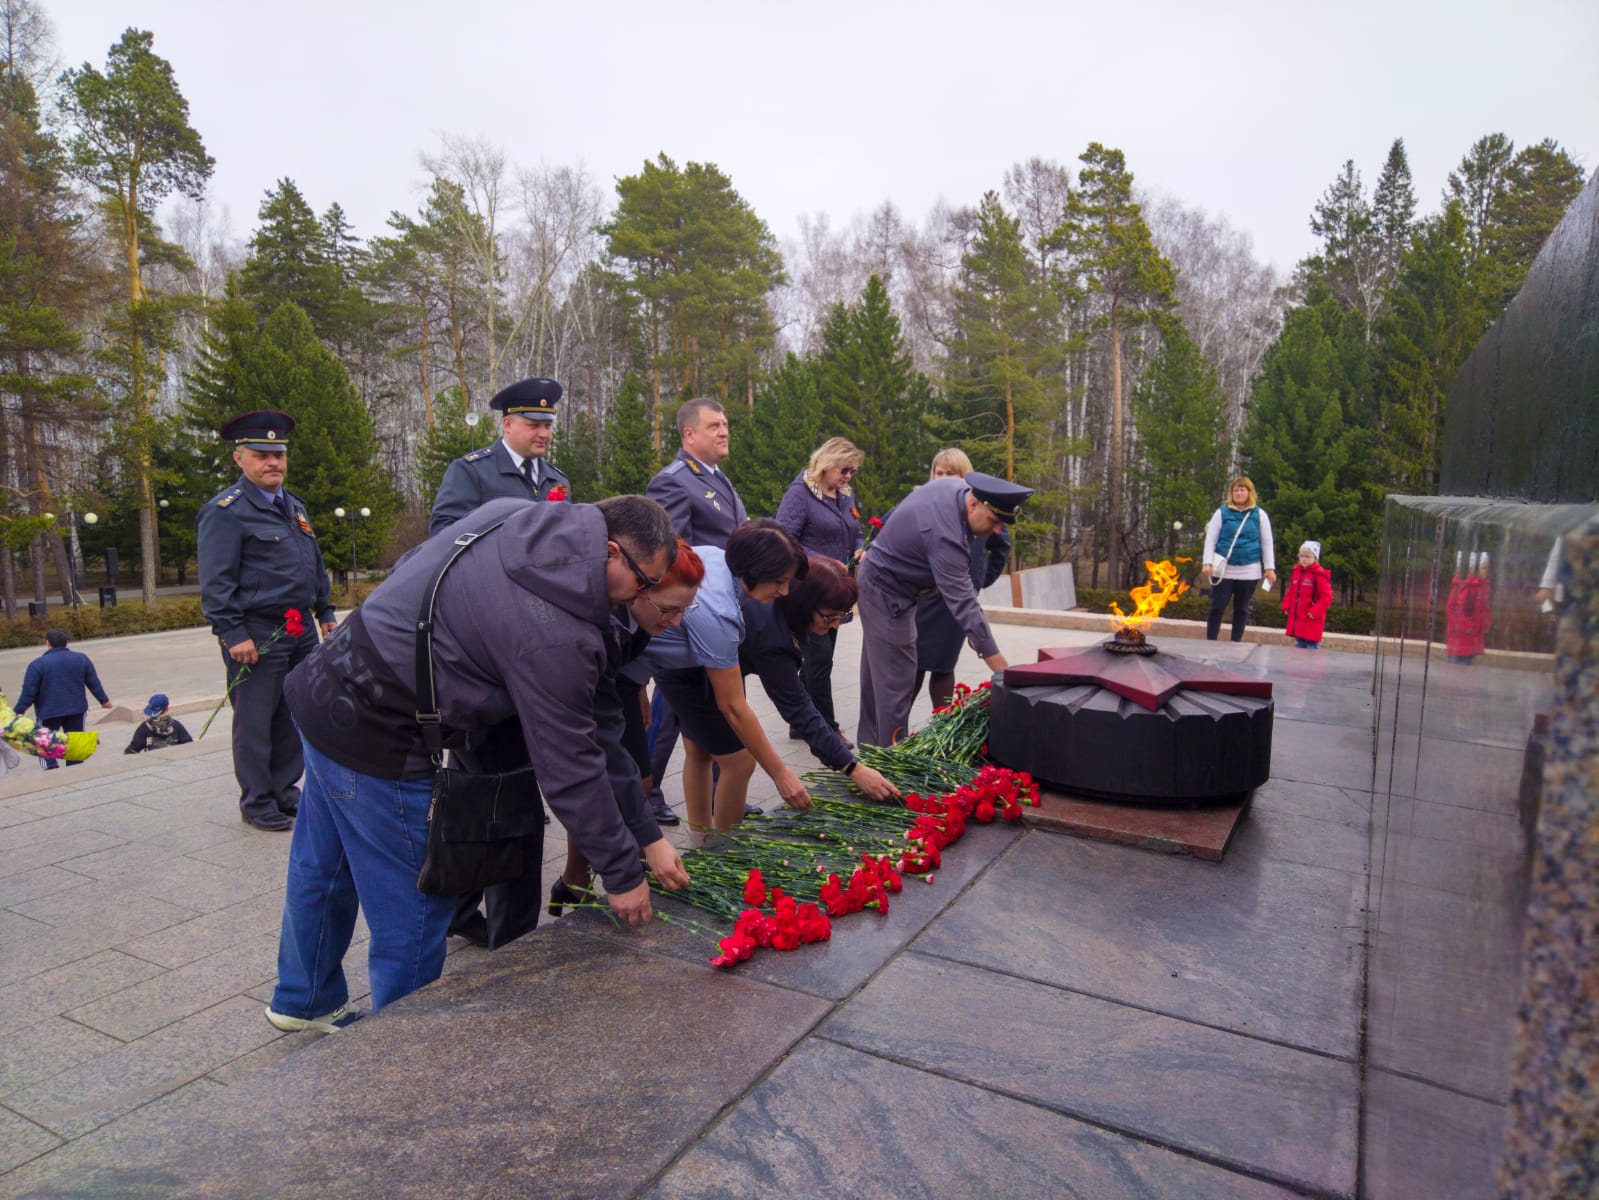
(1464, 689)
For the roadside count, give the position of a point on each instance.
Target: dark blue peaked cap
(1002, 497)
(266, 429)
(528, 398)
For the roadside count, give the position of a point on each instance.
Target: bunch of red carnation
(788, 926)
(941, 820)
(293, 622)
(964, 692)
(869, 887)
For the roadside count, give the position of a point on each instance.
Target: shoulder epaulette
(228, 498)
(673, 467)
(691, 465)
(477, 454)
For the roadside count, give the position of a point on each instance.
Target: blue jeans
(358, 842)
(1306, 644)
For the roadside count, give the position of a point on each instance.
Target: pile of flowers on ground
(849, 854)
(27, 735)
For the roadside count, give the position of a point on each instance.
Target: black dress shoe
(270, 822)
(564, 895)
(546, 816)
(664, 815)
(474, 928)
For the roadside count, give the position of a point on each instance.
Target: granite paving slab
(1428, 1143)
(1291, 837)
(860, 944)
(45, 1049)
(1311, 752)
(93, 1167)
(213, 931)
(173, 995)
(30, 853)
(517, 1061)
(1289, 1115)
(111, 906)
(1202, 831)
(1257, 946)
(74, 1101)
(832, 1121)
(1322, 801)
(21, 1139)
(43, 995)
(41, 881)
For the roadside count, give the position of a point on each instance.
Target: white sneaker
(340, 1018)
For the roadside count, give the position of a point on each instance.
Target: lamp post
(352, 516)
(75, 552)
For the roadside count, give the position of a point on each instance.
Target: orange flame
(1162, 588)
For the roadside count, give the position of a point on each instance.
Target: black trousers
(1240, 592)
(267, 758)
(817, 672)
(512, 907)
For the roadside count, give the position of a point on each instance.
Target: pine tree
(628, 459)
(1311, 465)
(773, 442)
(1475, 185)
(1129, 284)
(869, 392)
(1539, 185)
(334, 452)
(1180, 412)
(288, 260)
(1438, 310)
(133, 144)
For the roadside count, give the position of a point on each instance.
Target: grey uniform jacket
(521, 629)
(489, 474)
(924, 549)
(703, 504)
(254, 564)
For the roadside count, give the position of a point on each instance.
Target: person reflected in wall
(1239, 553)
(819, 509)
(1467, 611)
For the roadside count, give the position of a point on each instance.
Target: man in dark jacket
(521, 625)
(53, 686)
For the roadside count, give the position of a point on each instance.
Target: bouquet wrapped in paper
(28, 736)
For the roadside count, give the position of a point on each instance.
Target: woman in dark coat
(819, 510)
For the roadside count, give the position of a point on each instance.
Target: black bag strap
(427, 699)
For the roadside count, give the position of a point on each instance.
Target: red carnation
(875, 522)
(754, 889)
(557, 493)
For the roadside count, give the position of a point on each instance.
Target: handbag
(1218, 562)
(483, 827)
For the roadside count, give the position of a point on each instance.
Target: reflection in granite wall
(1463, 681)
(1522, 417)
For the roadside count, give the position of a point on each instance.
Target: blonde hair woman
(819, 510)
(1238, 552)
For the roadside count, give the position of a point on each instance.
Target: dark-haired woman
(772, 649)
(696, 670)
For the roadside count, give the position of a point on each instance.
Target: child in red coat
(1307, 598)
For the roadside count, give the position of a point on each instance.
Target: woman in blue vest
(1238, 552)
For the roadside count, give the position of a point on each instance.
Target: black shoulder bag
(482, 828)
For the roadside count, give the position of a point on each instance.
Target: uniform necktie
(530, 472)
(281, 503)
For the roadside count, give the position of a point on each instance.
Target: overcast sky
(1242, 108)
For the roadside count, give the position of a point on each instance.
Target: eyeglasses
(644, 581)
(846, 472)
(671, 610)
(836, 618)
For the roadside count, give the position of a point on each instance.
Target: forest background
(1120, 352)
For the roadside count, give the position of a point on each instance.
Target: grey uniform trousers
(888, 664)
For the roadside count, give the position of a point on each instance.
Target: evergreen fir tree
(774, 441)
(448, 438)
(288, 260)
(1180, 412)
(628, 459)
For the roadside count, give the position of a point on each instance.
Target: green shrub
(81, 624)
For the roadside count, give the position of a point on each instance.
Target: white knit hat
(1313, 547)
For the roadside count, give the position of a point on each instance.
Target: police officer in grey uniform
(515, 467)
(924, 549)
(700, 499)
(258, 558)
(706, 508)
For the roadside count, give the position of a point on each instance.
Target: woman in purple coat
(819, 510)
